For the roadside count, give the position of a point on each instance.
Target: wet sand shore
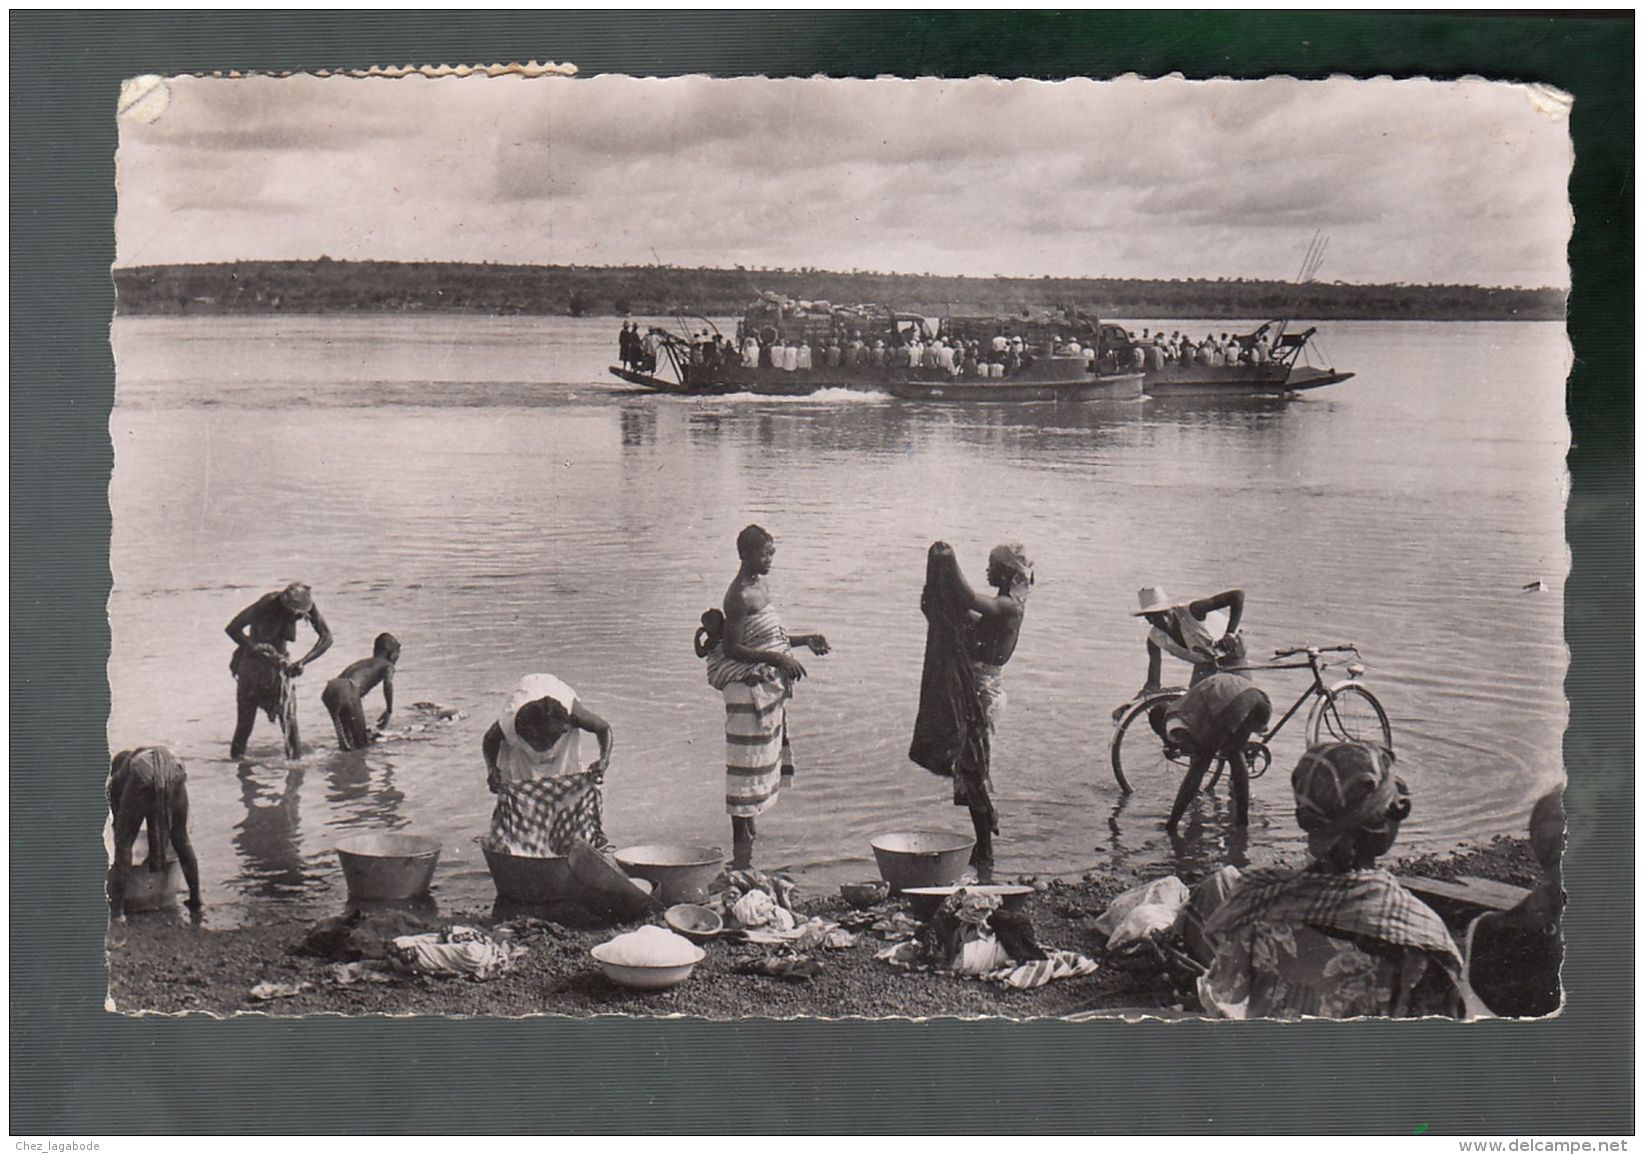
(156, 964)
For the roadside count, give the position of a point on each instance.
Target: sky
(1412, 180)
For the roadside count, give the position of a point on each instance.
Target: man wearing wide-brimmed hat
(261, 633)
(1202, 633)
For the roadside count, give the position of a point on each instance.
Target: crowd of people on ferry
(916, 350)
(1155, 350)
(911, 350)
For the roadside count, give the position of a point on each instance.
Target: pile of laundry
(358, 935)
(758, 909)
(456, 951)
(422, 718)
(972, 935)
(1159, 925)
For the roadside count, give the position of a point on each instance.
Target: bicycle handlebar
(1314, 651)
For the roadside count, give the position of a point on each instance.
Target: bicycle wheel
(1139, 755)
(1350, 714)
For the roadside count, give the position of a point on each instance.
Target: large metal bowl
(530, 881)
(152, 889)
(678, 873)
(388, 867)
(921, 857)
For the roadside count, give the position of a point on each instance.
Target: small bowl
(646, 978)
(862, 895)
(923, 901)
(697, 923)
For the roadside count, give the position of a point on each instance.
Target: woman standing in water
(544, 798)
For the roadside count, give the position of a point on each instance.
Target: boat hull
(1237, 380)
(1046, 379)
(766, 382)
(1087, 387)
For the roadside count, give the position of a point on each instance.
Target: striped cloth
(1027, 976)
(762, 631)
(1059, 964)
(758, 757)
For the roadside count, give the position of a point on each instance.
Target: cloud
(1417, 180)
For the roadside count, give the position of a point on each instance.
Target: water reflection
(269, 837)
(638, 426)
(876, 426)
(1206, 841)
(361, 793)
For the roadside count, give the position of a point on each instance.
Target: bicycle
(1344, 712)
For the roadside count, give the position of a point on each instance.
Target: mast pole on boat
(1311, 261)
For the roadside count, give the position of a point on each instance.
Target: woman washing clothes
(969, 638)
(1341, 938)
(544, 798)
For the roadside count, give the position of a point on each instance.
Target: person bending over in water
(1216, 718)
(261, 632)
(972, 635)
(1202, 633)
(147, 787)
(750, 662)
(342, 695)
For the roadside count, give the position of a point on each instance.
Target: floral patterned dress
(1329, 946)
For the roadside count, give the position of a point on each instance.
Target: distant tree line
(327, 286)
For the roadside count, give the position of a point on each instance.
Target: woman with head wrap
(1342, 938)
(970, 637)
(544, 797)
(1513, 957)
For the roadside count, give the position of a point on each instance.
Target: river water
(481, 487)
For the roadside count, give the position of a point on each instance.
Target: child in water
(342, 695)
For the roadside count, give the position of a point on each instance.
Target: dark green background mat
(77, 1069)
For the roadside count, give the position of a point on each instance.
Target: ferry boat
(787, 347)
(1271, 362)
(783, 347)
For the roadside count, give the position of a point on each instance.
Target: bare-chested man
(751, 662)
(987, 627)
(261, 633)
(342, 695)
